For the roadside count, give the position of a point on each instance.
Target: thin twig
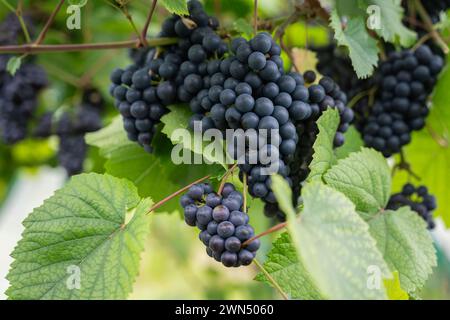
(173, 195)
(255, 16)
(49, 22)
(421, 41)
(147, 23)
(271, 280)
(19, 14)
(268, 231)
(225, 177)
(244, 191)
(29, 48)
(429, 26)
(289, 20)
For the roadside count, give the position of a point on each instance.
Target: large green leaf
(362, 48)
(392, 28)
(85, 230)
(324, 157)
(288, 271)
(176, 129)
(283, 193)
(406, 244)
(364, 177)
(335, 245)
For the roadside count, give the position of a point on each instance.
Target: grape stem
(225, 177)
(147, 23)
(244, 192)
(271, 279)
(173, 195)
(268, 231)
(31, 49)
(405, 165)
(429, 26)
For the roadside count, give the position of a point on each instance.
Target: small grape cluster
(71, 128)
(223, 223)
(418, 199)
(405, 81)
(18, 93)
(144, 89)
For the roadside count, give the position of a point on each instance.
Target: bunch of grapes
(71, 128)
(143, 90)
(405, 81)
(223, 223)
(18, 93)
(418, 199)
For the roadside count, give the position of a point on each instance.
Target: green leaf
(324, 158)
(353, 143)
(406, 244)
(176, 129)
(393, 288)
(176, 6)
(364, 177)
(87, 226)
(243, 27)
(283, 193)
(335, 245)
(128, 160)
(288, 271)
(363, 49)
(13, 65)
(392, 28)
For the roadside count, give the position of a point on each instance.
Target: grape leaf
(243, 27)
(393, 289)
(363, 49)
(87, 226)
(406, 245)
(128, 160)
(353, 143)
(335, 245)
(176, 6)
(364, 177)
(176, 129)
(304, 59)
(13, 65)
(288, 271)
(324, 158)
(391, 28)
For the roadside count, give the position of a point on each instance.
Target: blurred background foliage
(174, 265)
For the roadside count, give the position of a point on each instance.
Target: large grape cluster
(223, 223)
(418, 199)
(144, 89)
(18, 93)
(405, 81)
(71, 127)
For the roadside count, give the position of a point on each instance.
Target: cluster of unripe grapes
(223, 223)
(418, 199)
(405, 81)
(18, 93)
(70, 127)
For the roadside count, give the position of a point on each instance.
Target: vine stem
(173, 195)
(244, 191)
(18, 13)
(429, 25)
(268, 231)
(30, 48)
(49, 22)
(225, 177)
(147, 23)
(255, 17)
(271, 279)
